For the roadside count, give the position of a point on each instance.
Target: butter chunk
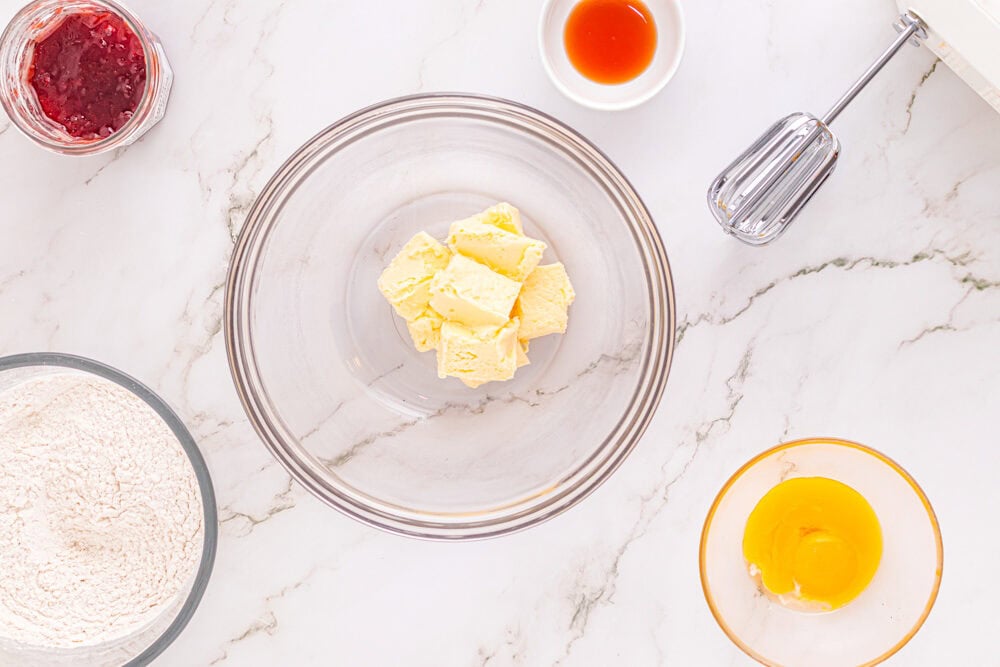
(543, 304)
(522, 353)
(469, 293)
(477, 355)
(498, 242)
(503, 216)
(425, 329)
(406, 282)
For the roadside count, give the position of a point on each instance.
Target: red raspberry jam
(89, 74)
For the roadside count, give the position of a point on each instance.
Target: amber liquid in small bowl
(610, 41)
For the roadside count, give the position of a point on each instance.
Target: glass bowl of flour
(107, 516)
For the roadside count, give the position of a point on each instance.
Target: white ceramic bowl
(669, 19)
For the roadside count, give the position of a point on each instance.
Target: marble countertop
(877, 318)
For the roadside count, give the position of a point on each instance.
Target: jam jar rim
(20, 31)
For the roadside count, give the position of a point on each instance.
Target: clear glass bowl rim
(706, 589)
(356, 126)
(211, 523)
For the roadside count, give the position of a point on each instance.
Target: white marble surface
(877, 318)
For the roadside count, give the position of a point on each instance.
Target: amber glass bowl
(875, 625)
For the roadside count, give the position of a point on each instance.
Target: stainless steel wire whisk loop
(757, 196)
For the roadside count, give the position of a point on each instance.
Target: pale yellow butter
(406, 282)
(477, 355)
(522, 353)
(504, 216)
(544, 302)
(496, 239)
(480, 300)
(425, 329)
(469, 293)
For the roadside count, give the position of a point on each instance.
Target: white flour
(100, 512)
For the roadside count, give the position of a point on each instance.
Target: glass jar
(31, 25)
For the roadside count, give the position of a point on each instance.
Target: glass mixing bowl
(327, 372)
(145, 644)
(869, 629)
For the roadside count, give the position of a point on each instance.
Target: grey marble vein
(9, 280)
(653, 504)
(841, 263)
(948, 326)
(244, 170)
(619, 362)
(280, 502)
(463, 22)
(207, 426)
(980, 284)
(913, 96)
(512, 646)
(117, 153)
(197, 350)
(933, 207)
(357, 447)
(267, 623)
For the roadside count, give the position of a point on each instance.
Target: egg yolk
(814, 542)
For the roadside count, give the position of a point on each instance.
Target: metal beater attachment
(757, 196)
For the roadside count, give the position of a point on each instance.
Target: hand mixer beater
(758, 196)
